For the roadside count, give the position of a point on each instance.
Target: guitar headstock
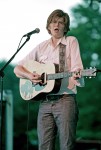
(91, 72)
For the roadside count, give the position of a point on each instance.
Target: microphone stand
(1, 76)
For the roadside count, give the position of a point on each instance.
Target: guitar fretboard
(61, 75)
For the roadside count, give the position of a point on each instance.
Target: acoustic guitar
(50, 77)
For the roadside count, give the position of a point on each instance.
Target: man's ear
(65, 29)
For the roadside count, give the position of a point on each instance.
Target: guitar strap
(62, 52)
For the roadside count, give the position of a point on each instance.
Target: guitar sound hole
(43, 78)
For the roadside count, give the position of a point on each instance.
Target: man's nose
(57, 23)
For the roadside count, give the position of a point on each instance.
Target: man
(57, 111)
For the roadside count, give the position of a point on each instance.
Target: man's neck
(55, 41)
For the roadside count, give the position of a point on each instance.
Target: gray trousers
(60, 114)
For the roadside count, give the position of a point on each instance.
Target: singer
(58, 111)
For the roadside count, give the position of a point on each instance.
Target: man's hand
(77, 74)
(34, 78)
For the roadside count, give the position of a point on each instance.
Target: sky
(18, 17)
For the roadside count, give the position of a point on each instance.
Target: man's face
(56, 27)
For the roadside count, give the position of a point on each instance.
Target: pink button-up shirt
(46, 53)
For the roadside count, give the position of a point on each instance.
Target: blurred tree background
(86, 27)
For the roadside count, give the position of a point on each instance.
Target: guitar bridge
(44, 79)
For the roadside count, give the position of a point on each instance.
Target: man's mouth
(56, 29)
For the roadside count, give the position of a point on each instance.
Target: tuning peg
(90, 77)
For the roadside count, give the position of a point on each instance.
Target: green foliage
(86, 27)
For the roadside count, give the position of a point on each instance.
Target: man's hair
(59, 13)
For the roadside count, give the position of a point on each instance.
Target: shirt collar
(61, 40)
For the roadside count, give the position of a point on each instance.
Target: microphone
(37, 30)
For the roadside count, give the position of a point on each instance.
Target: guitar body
(29, 91)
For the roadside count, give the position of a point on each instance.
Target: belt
(53, 97)
(56, 97)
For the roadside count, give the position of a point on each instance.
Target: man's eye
(54, 21)
(61, 22)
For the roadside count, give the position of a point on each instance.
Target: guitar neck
(59, 75)
(86, 72)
